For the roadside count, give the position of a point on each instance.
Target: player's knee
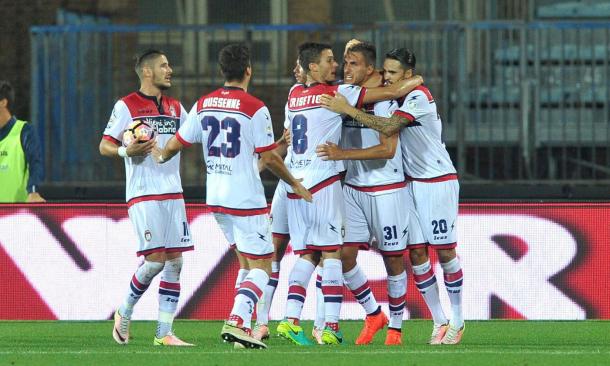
(348, 258)
(171, 256)
(446, 255)
(151, 269)
(348, 264)
(264, 264)
(418, 256)
(395, 265)
(332, 254)
(313, 258)
(279, 245)
(159, 257)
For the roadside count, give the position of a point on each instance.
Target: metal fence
(519, 101)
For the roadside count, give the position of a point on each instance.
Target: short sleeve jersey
(371, 174)
(144, 177)
(233, 127)
(311, 125)
(424, 153)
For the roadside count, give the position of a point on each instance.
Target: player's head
(7, 96)
(359, 63)
(234, 61)
(317, 61)
(399, 64)
(152, 67)
(299, 74)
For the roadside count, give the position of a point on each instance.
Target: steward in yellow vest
(20, 162)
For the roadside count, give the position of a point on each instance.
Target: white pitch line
(230, 352)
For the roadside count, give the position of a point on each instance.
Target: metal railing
(519, 101)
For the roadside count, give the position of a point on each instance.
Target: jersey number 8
(299, 134)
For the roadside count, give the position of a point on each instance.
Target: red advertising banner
(520, 261)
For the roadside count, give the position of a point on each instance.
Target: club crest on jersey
(172, 111)
(112, 119)
(147, 235)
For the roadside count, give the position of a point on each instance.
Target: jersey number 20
(214, 125)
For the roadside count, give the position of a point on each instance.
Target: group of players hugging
(365, 166)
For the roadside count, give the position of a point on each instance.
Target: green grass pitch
(484, 343)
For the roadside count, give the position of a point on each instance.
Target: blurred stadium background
(522, 86)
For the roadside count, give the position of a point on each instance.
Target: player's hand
(351, 43)
(141, 149)
(301, 191)
(156, 154)
(287, 136)
(336, 103)
(329, 151)
(34, 197)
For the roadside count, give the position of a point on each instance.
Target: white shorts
(433, 212)
(383, 216)
(250, 234)
(279, 214)
(317, 226)
(161, 226)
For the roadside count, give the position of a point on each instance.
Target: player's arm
(384, 150)
(111, 146)
(387, 126)
(282, 143)
(281, 148)
(173, 147)
(393, 91)
(113, 150)
(273, 162)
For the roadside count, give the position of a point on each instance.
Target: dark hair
(405, 56)
(146, 56)
(234, 59)
(7, 92)
(367, 50)
(309, 52)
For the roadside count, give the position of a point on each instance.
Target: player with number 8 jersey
(319, 227)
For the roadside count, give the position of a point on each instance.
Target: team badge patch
(148, 235)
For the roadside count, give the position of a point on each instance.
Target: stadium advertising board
(521, 261)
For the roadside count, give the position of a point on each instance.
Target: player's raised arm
(273, 162)
(384, 150)
(393, 91)
(387, 126)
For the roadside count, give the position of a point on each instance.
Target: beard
(162, 86)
